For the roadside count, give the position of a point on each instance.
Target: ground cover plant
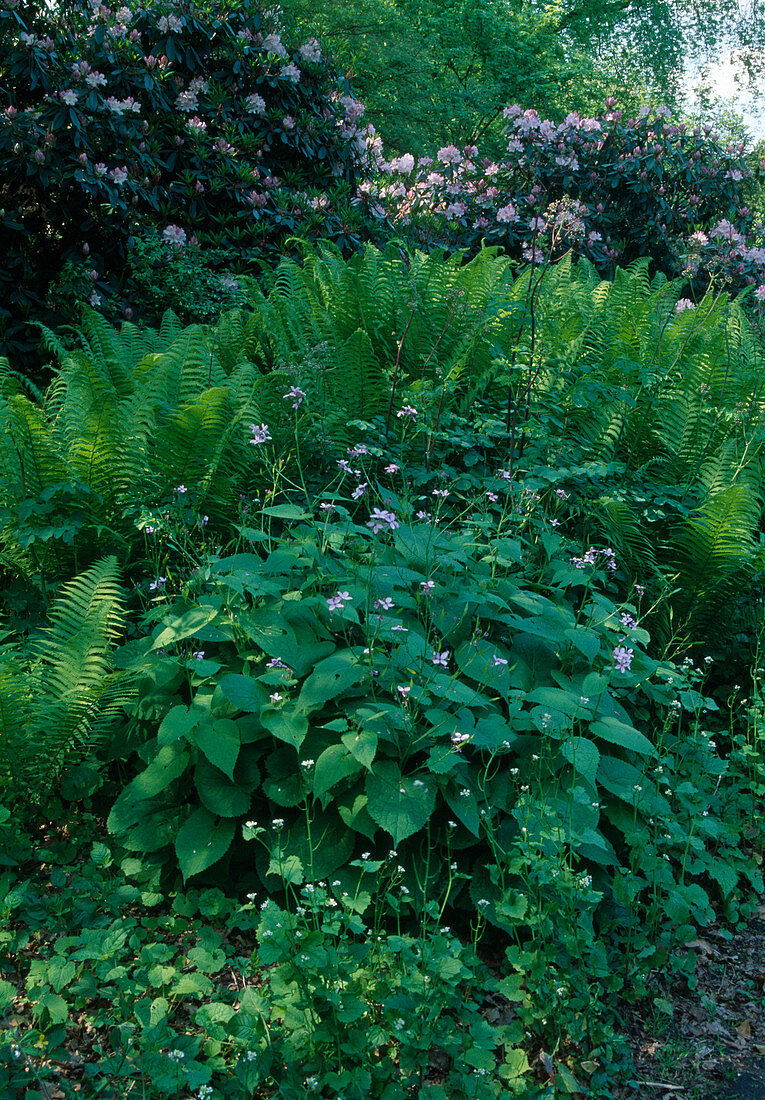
(386, 733)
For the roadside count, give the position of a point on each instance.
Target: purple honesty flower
(381, 520)
(441, 659)
(199, 655)
(359, 449)
(623, 658)
(491, 496)
(423, 515)
(385, 604)
(260, 433)
(427, 587)
(276, 662)
(392, 468)
(325, 506)
(629, 622)
(158, 583)
(337, 602)
(296, 394)
(497, 661)
(407, 410)
(359, 491)
(561, 494)
(180, 489)
(276, 697)
(150, 530)
(441, 493)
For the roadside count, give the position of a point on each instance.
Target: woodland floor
(706, 1043)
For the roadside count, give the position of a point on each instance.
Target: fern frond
(49, 708)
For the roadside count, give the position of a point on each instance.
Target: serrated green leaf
(168, 765)
(395, 803)
(356, 816)
(53, 1005)
(286, 511)
(330, 678)
(177, 723)
(219, 741)
(287, 723)
(619, 733)
(218, 793)
(185, 626)
(243, 692)
(202, 841)
(288, 868)
(362, 745)
(334, 764)
(584, 755)
(7, 995)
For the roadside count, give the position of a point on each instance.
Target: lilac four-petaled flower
(380, 520)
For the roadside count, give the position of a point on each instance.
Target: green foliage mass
(428, 566)
(432, 73)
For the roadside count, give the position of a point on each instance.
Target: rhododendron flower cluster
(129, 119)
(609, 188)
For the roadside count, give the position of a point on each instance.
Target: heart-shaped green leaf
(400, 804)
(202, 841)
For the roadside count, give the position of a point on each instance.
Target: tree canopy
(440, 71)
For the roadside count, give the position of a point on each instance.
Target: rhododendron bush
(199, 122)
(612, 189)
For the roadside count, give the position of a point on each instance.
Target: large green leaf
(334, 764)
(168, 764)
(362, 745)
(330, 678)
(619, 733)
(178, 723)
(218, 793)
(584, 755)
(287, 723)
(202, 841)
(219, 741)
(396, 804)
(185, 626)
(243, 692)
